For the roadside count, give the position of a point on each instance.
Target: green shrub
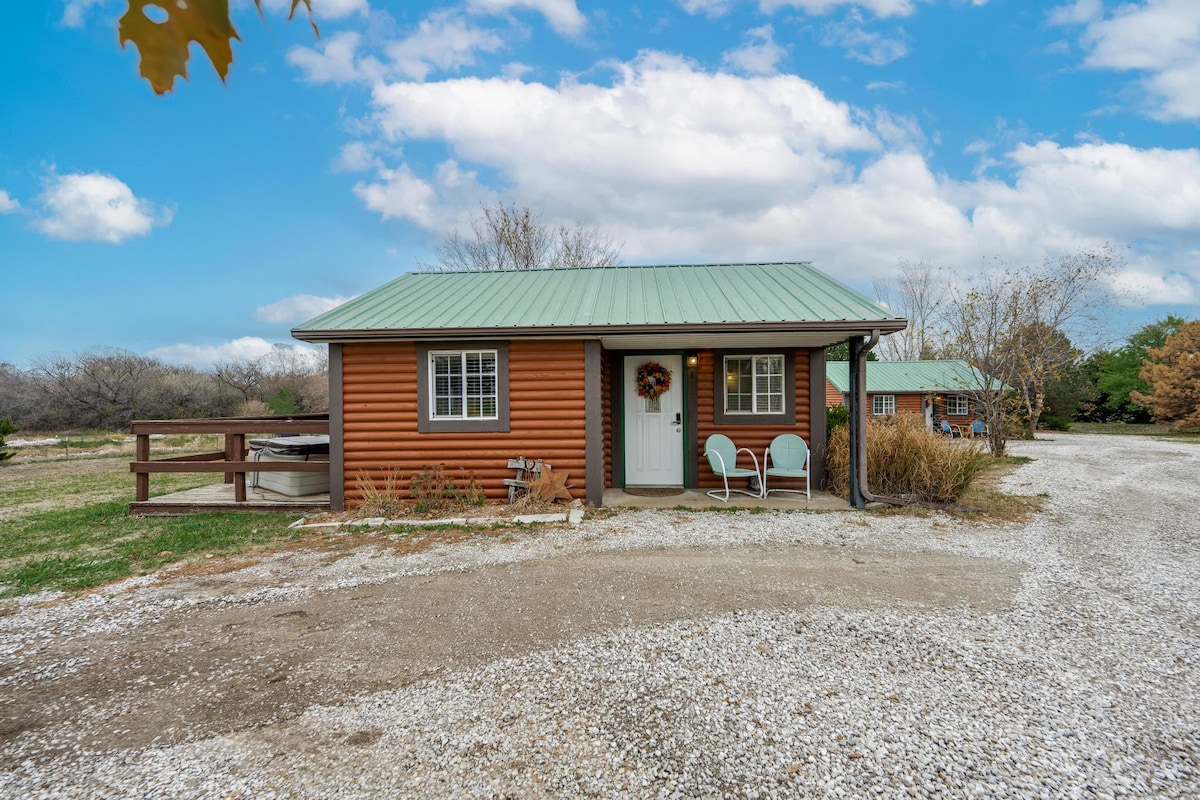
(906, 460)
(836, 417)
(6, 427)
(1053, 423)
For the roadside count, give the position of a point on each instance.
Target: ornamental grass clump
(431, 491)
(907, 461)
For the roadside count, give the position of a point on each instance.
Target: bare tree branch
(505, 237)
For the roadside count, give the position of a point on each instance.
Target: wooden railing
(232, 460)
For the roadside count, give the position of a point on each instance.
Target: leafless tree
(1016, 326)
(917, 293)
(506, 237)
(243, 375)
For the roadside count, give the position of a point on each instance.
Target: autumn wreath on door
(652, 380)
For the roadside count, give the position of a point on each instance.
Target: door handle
(678, 418)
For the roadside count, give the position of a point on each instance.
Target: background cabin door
(654, 428)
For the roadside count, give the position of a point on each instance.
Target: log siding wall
(379, 398)
(832, 396)
(755, 437)
(606, 408)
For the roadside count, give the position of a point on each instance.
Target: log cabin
(616, 375)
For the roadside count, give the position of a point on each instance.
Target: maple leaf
(163, 45)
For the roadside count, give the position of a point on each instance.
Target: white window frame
(880, 405)
(465, 396)
(958, 405)
(755, 395)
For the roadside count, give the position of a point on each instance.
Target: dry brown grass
(906, 460)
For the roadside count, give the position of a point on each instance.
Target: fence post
(142, 479)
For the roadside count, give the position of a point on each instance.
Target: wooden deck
(232, 461)
(220, 497)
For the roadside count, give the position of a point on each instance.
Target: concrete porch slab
(694, 498)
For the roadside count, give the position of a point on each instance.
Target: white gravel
(1087, 686)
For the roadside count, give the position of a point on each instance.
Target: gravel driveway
(654, 654)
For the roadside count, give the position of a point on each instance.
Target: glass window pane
(739, 384)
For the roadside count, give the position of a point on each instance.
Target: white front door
(654, 427)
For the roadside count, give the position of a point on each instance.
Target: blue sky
(204, 224)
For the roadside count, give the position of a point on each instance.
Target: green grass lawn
(84, 547)
(1160, 430)
(64, 524)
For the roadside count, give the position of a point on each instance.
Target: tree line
(1039, 331)
(106, 389)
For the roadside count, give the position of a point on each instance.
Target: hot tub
(290, 448)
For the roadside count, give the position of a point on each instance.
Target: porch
(697, 499)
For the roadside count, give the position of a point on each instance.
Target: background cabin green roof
(897, 377)
(609, 298)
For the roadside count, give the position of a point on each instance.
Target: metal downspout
(860, 426)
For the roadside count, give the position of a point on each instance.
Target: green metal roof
(897, 377)
(612, 300)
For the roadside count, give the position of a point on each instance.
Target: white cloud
(664, 135)
(563, 15)
(356, 157)
(878, 8)
(8, 203)
(1098, 190)
(75, 10)
(400, 194)
(297, 308)
(322, 9)
(1159, 38)
(333, 60)
(861, 44)
(684, 164)
(710, 8)
(886, 86)
(516, 70)
(96, 207)
(758, 55)
(245, 348)
(1077, 13)
(1156, 287)
(443, 40)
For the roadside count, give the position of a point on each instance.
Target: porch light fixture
(692, 359)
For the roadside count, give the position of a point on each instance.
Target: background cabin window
(754, 384)
(463, 384)
(883, 404)
(956, 405)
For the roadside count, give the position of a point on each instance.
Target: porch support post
(858, 417)
(691, 425)
(818, 437)
(593, 424)
(337, 452)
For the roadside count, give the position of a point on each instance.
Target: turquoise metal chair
(787, 457)
(722, 458)
(978, 428)
(953, 431)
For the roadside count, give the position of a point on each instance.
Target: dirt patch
(218, 667)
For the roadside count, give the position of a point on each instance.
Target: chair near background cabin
(978, 428)
(722, 458)
(789, 455)
(951, 430)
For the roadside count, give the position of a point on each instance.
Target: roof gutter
(842, 327)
